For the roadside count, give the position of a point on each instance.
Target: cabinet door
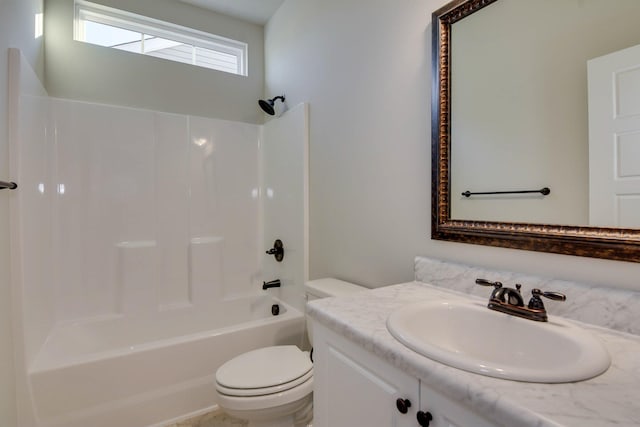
(448, 413)
(353, 388)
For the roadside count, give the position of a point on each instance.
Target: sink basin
(469, 336)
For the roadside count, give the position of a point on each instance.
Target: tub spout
(271, 284)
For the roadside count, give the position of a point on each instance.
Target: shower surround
(137, 252)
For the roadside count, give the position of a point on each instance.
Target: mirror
(522, 101)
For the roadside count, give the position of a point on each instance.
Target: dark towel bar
(544, 191)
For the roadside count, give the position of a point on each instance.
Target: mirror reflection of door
(518, 106)
(614, 139)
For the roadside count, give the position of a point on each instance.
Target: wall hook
(9, 185)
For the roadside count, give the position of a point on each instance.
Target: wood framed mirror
(547, 234)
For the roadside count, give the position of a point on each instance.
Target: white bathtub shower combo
(138, 255)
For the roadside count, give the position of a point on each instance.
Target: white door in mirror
(614, 139)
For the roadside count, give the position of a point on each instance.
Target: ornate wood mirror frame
(610, 243)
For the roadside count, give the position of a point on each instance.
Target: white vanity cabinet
(354, 388)
(447, 413)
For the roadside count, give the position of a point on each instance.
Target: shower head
(267, 106)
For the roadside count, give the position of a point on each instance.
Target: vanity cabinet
(353, 388)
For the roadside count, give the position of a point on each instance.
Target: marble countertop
(612, 398)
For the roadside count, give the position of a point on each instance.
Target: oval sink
(469, 336)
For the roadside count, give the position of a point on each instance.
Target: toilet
(273, 386)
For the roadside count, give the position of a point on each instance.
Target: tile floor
(211, 419)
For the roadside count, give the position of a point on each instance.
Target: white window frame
(84, 10)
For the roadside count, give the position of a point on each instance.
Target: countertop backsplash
(611, 308)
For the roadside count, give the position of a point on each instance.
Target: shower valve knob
(277, 251)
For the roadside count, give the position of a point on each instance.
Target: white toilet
(273, 386)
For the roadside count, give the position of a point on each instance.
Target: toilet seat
(263, 390)
(264, 371)
(247, 389)
(298, 396)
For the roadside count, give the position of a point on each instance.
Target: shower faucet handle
(277, 251)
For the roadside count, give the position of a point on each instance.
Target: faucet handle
(485, 282)
(556, 296)
(536, 302)
(277, 251)
(497, 286)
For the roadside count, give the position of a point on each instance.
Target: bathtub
(148, 371)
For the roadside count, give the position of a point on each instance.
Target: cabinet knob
(403, 405)
(424, 418)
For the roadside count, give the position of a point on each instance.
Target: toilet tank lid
(330, 287)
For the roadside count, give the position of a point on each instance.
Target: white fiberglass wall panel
(285, 194)
(151, 211)
(31, 304)
(224, 214)
(105, 193)
(31, 242)
(172, 209)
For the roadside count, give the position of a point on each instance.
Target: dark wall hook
(9, 185)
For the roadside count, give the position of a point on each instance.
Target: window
(117, 29)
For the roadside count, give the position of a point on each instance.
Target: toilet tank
(328, 287)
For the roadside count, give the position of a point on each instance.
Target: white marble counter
(612, 398)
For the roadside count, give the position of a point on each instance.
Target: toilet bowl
(273, 386)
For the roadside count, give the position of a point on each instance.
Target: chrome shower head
(267, 106)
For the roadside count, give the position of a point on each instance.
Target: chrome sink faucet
(510, 301)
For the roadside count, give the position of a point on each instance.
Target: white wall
(86, 72)
(364, 66)
(16, 30)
